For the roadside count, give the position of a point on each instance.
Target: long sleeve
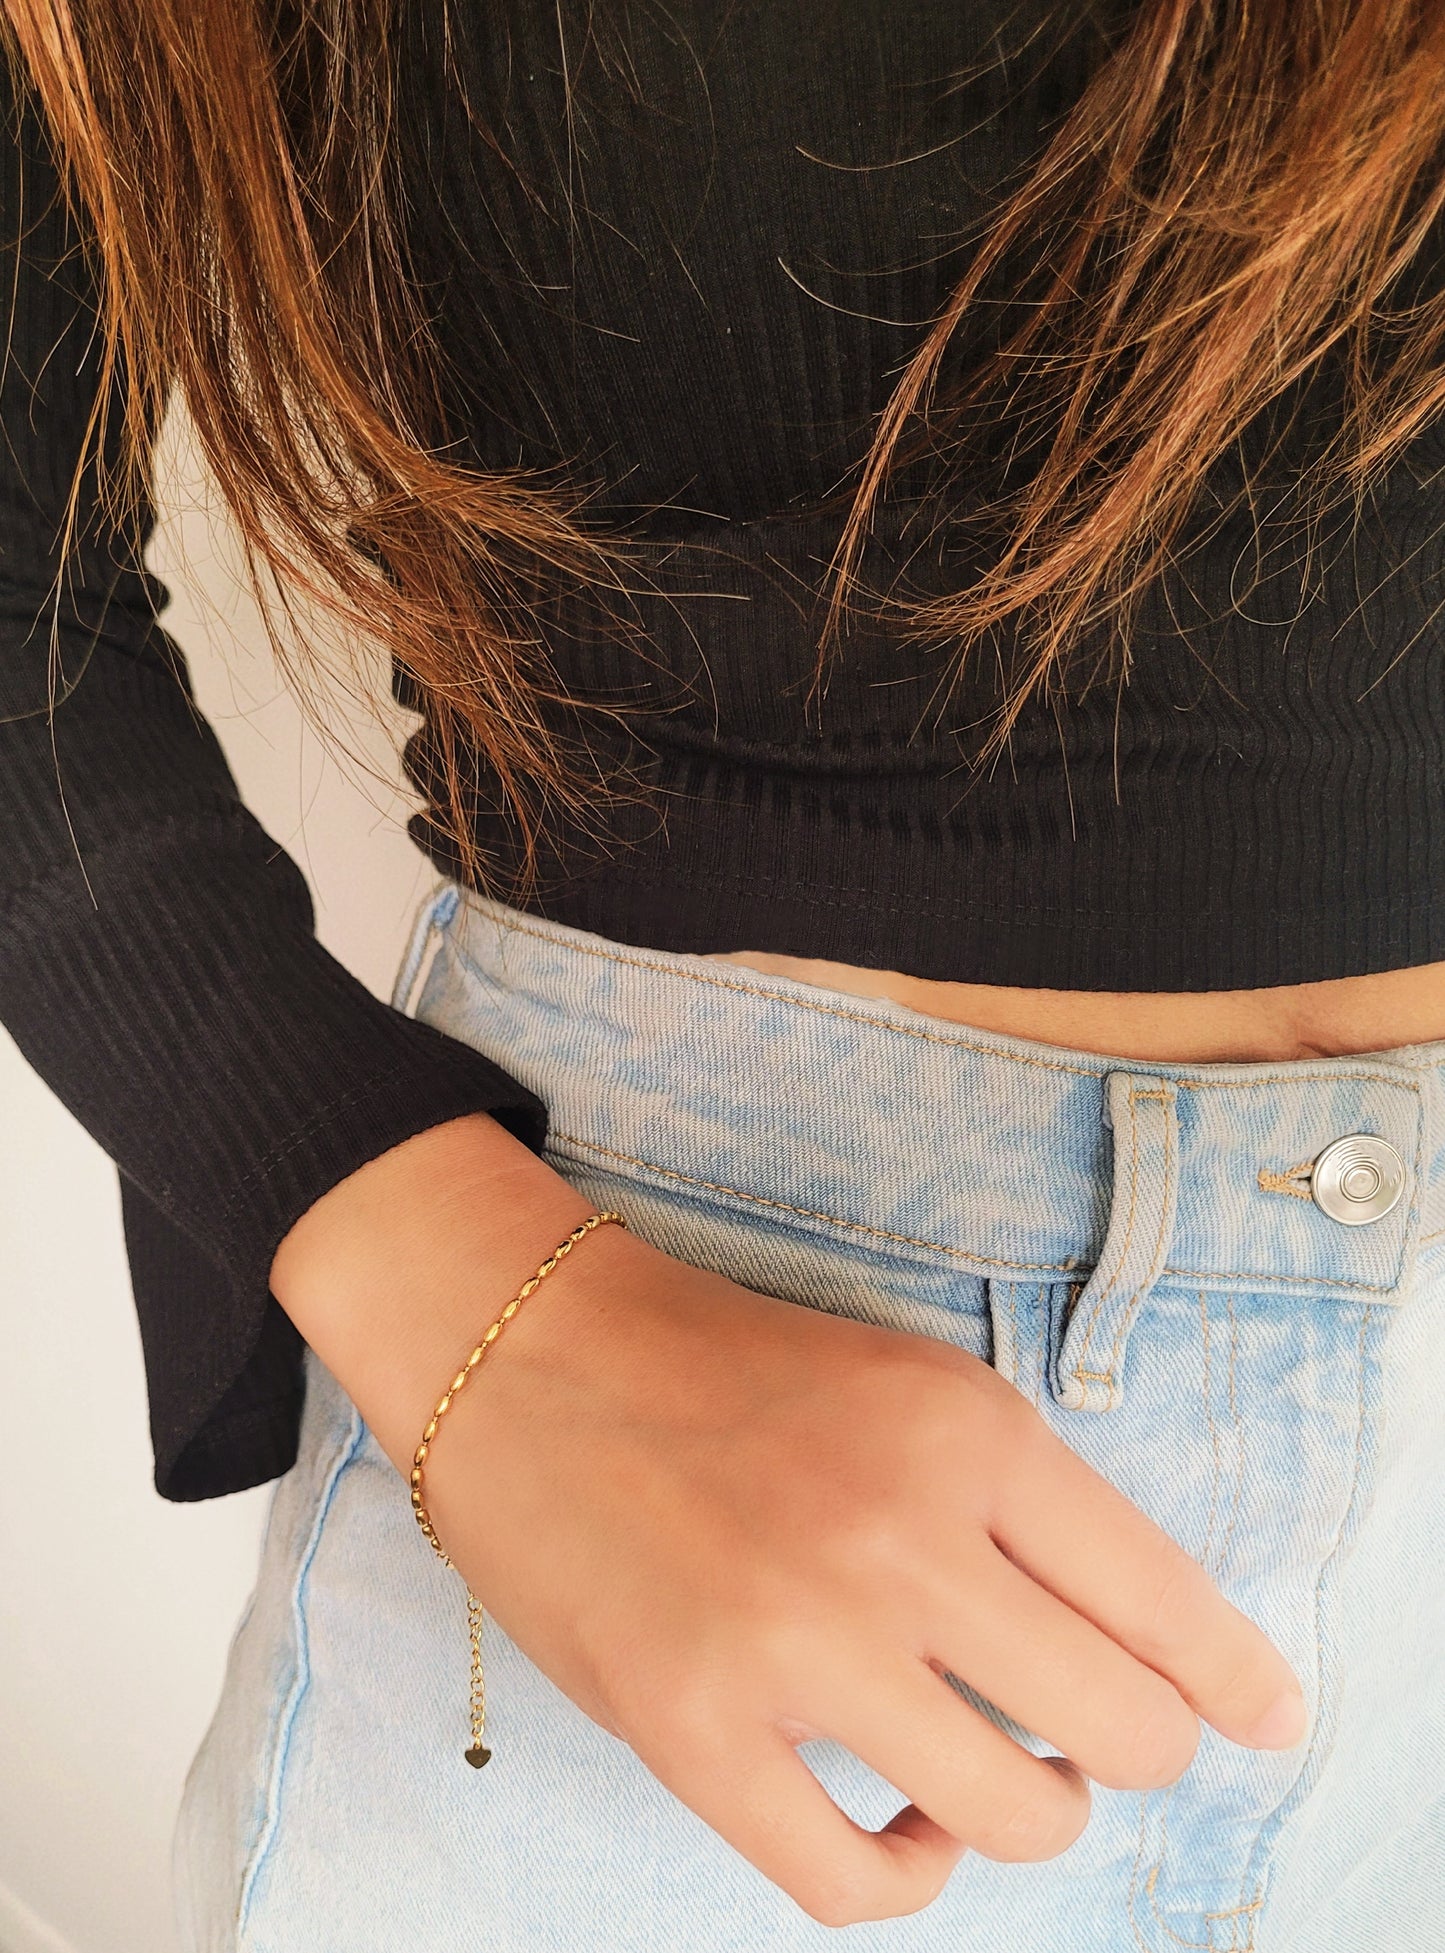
(158, 965)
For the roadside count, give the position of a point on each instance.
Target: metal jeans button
(1358, 1178)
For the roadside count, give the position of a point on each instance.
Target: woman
(760, 435)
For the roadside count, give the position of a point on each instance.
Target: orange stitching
(1134, 1873)
(1282, 1078)
(1116, 1353)
(1226, 1912)
(1213, 1433)
(1287, 1182)
(1238, 1440)
(1122, 1256)
(1013, 1316)
(908, 1030)
(1253, 1275)
(807, 1213)
(1042, 1304)
(1333, 1554)
(1152, 1881)
(799, 1003)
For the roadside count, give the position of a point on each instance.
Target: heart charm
(478, 1757)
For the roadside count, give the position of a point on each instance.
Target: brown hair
(1230, 204)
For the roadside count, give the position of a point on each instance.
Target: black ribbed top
(684, 251)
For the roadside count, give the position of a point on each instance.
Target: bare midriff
(1299, 1020)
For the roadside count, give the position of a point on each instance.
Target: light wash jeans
(1136, 1239)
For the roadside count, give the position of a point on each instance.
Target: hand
(786, 1525)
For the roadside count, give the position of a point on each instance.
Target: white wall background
(116, 1608)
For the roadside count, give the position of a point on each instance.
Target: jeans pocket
(816, 1260)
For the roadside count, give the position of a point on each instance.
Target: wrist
(393, 1274)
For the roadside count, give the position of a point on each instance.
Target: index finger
(1078, 1536)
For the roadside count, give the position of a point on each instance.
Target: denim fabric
(1133, 1244)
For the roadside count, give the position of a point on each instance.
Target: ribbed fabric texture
(681, 252)
(158, 965)
(690, 257)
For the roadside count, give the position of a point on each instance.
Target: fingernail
(1283, 1724)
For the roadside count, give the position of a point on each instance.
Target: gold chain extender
(478, 1754)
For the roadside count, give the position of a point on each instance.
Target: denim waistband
(1022, 1160)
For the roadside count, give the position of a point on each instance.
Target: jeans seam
(1207, 1395)
(1156, 1259)
(1345, 1517)
(1250, 1909)
(1252, 1275)
(1121, 1257)
(1325, 1566)
(1110, 1376)
(1293, 1180)
(1238, 1498)
(661, 968)
(557, 1139)
(1244, 1909)
(301, 1679)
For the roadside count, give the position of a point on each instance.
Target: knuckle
(940, 1394)
(691, 1711)
(1038, 1826)
(837, 1898)
(1017, 1433)
(866, 1532)
(783, 1642)
(1161, 1746)
(1174, 1600)
(1246, 1688)
(852, 1895)
(1000, 1404)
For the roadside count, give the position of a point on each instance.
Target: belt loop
(1089, 1370)
(434, 910)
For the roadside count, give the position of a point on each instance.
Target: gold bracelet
(479, 1754)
